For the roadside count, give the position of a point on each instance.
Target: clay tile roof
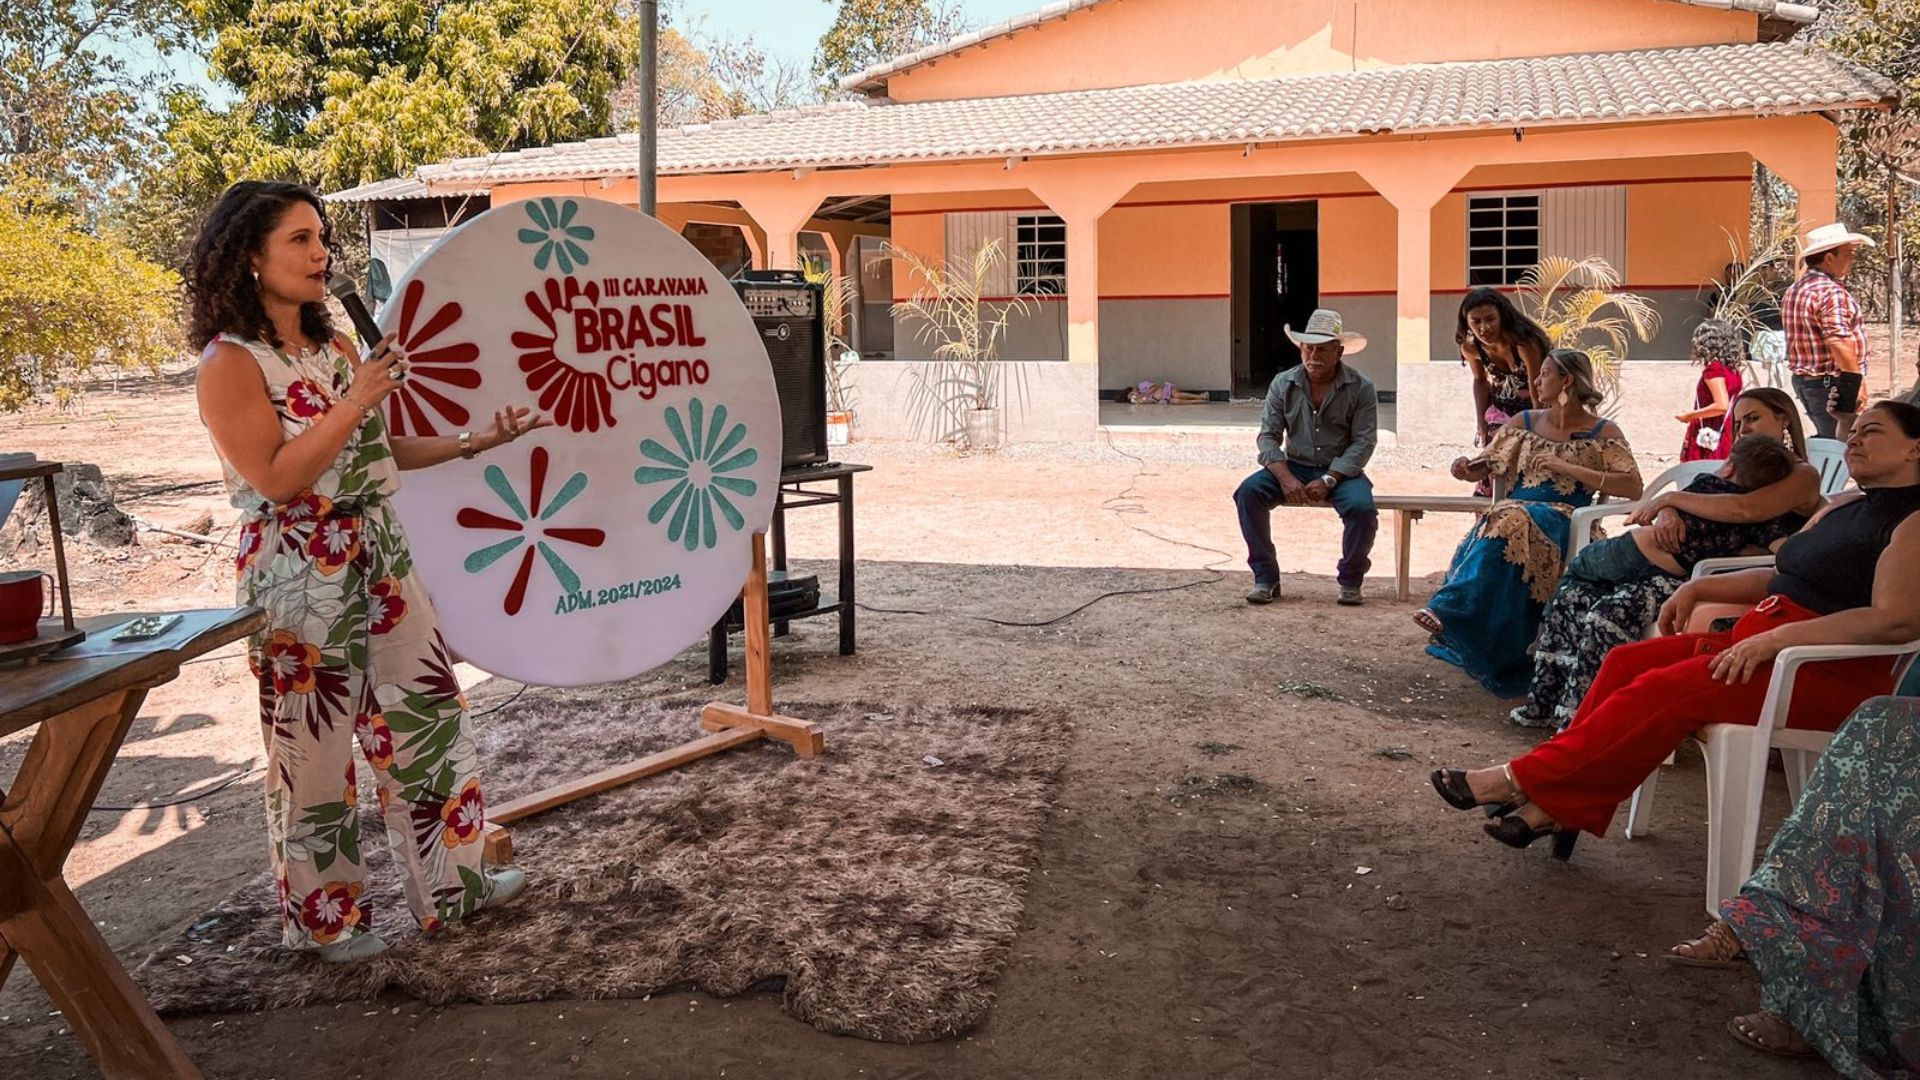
(873, 79)
(1654, 85)
(405, 187)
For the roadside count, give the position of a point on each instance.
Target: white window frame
(1039, 259)
(1504, 236)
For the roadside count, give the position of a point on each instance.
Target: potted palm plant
(950, 311)
(837, 295)
(1580, 304)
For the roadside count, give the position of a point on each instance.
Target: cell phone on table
(147, 627)
(1846, 392)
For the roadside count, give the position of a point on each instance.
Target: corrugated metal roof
(404, 187)
(1652, 85)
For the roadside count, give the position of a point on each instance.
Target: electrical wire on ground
(1126, 503)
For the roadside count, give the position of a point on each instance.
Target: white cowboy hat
(1324, 325)
(1828, 237)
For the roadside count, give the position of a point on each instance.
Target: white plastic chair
(1676, 477)
(1737, 762)
(1830, 457)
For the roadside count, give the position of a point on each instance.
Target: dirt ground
(1246, 874)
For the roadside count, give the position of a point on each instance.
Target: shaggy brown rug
(882, 890)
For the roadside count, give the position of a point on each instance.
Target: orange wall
(1169, 240)
(1134, 42)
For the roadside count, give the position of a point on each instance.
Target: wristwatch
(1330, 480)
(466, 445)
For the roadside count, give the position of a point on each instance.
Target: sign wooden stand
(729, 725)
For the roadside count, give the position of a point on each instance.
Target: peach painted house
(1174, 179)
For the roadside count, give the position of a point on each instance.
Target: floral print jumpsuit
(351, 653)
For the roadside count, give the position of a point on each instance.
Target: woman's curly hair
(221, 285)
(1718, 339)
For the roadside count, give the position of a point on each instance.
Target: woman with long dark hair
(351, 649)
(1504, 350)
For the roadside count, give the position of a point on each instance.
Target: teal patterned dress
(1830, 919)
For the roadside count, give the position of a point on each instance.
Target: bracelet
(466, 445)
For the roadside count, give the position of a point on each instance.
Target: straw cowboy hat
(1828, 237)
(1324, 325)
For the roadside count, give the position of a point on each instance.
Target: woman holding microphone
(351, 651)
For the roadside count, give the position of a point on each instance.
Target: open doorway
(1276, 283)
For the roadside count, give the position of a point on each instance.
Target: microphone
(342, 289)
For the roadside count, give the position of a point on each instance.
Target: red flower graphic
(577, 399)
(530, 527)
(306, 399)
(306, 507)
(385, 607)
(249, 546)
(291, 663)
(335, 543)
(465, 816)
(331, 910)
(448, 363)
(376, 741)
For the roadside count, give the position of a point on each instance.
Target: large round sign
(599, 548)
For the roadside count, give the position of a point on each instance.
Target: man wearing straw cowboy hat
(1316, 434)
(1826, 336)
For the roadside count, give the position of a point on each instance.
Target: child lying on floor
(1756, 462)
(1153, 393)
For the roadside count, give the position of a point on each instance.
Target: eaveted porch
(1142, 255)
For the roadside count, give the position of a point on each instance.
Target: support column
(1081, 200)
(1806, 155)
(781, 215)
(1414, 187)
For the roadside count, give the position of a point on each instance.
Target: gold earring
(1563, 398)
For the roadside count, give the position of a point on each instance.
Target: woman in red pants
(1848, 578)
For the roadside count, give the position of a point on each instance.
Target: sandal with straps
(1716, 947)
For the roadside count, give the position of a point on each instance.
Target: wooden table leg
(1403, 552)
(42, 922)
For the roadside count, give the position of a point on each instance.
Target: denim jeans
(1617, 560)
(1352, 500)
(1813, 391)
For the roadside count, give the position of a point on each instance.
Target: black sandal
(1453, 787)
(1516, 833)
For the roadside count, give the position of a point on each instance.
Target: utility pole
(649, 173)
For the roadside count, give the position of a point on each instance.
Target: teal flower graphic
(697, 475)
(556, 234)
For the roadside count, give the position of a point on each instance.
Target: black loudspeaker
(787, 311)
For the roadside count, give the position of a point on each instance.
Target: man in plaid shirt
(1826, 336)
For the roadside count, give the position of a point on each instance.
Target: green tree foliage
(70, 300)
(342, 92)
(70, 108)
(866, 32)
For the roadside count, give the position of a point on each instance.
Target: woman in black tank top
(1503, 349)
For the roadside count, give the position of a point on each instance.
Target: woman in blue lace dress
(1552, 461)
(1829, 920)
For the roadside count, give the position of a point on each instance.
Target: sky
(789, 28)
(793, 27)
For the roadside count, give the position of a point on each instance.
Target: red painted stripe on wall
(1317, 195)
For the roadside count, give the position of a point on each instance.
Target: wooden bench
(1408, 509)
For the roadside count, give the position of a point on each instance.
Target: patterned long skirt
(1830, 919)
(352, 653)
(1582, 623)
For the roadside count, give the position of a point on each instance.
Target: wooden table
(83, 707)
(1408, 509)
(795, 495)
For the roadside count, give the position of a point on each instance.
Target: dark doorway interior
(1276, 283)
